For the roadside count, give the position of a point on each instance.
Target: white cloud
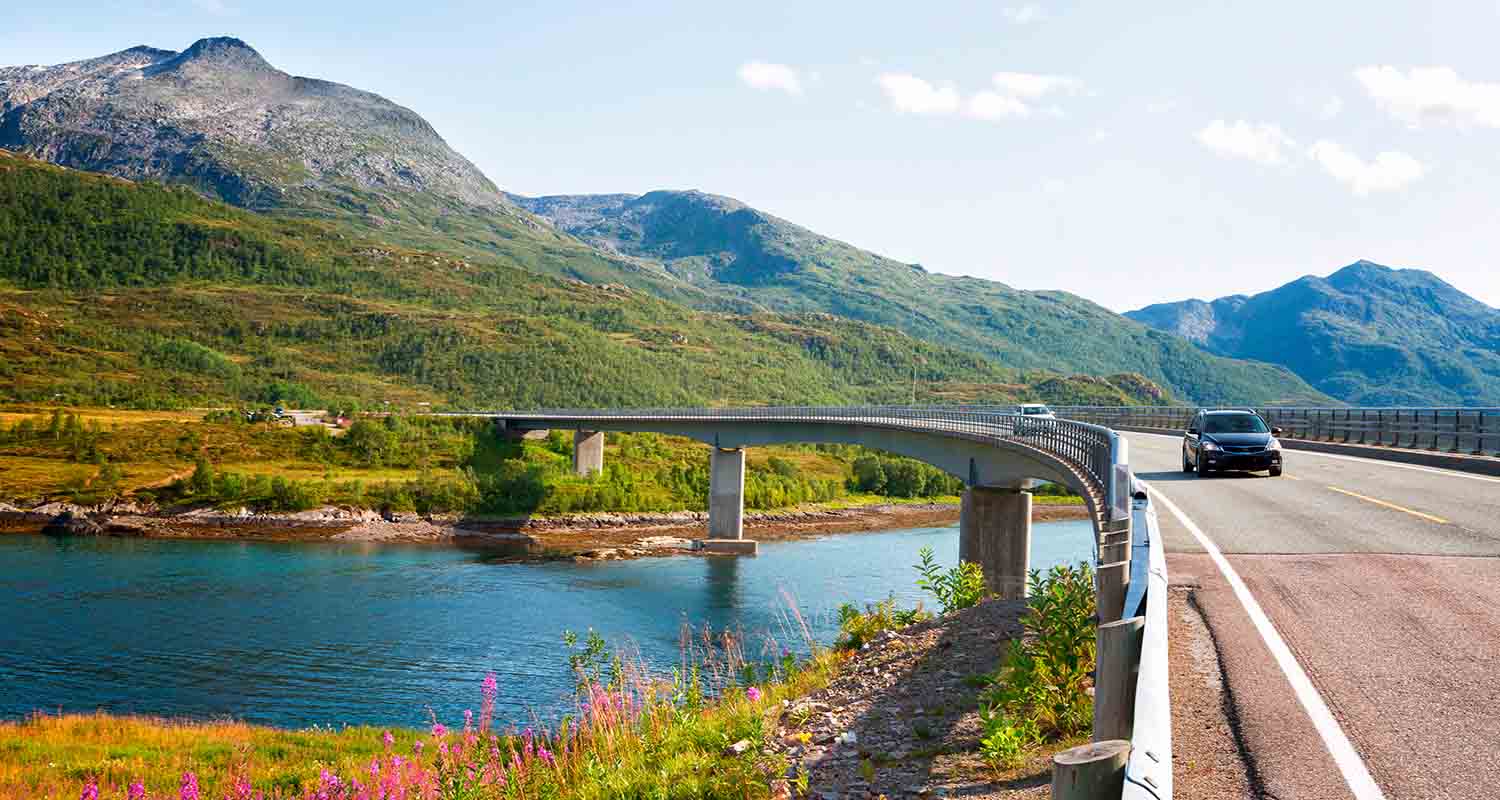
(1023, 15)
(1261, 143)
(767, 77)
(909, 94)
(1331, 107)
(1391, 170)
(1031, 86)
(1431, 94)
(216, 7)
(990, 105)
(1011, 97)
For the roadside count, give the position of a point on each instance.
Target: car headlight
(1209, 446)
(1273, 444)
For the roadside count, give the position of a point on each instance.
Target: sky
(1126, 152)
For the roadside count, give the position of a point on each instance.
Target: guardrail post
(1118, 656)
(1093, 771)
(1114, 582)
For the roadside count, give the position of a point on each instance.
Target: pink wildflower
(753, 693)
(545, 755)
(438, 731)
(189, 790)
(137, 791)
(90, 790)
(417, 747)
(389, 739)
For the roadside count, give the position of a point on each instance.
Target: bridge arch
(998, 456)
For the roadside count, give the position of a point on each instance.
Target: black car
(1219, 441)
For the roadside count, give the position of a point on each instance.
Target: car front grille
(1240, 450)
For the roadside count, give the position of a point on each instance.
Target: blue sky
(1122, 152)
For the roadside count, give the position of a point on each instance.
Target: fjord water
(330, 634)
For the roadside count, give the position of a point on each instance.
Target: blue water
(329, 634)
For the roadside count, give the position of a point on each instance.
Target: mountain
(218, 118)
(725, 247)
(1367, 334)
(243, 130)
(113, 292)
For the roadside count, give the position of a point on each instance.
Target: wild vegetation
(699, 731)
(420, 464)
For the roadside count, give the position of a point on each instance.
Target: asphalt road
(1383, 581)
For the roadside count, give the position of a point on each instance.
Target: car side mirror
(1193, 431)
(1275, 431)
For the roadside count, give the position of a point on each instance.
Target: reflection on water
(297, 634)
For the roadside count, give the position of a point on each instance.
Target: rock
(69, 523)
(738, 748)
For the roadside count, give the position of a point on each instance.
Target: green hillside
(143, 295)
(729, 249)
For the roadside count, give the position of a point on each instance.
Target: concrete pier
(726, 503)
(588, 453)
(994, 531)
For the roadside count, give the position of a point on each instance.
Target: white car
(1032, 413)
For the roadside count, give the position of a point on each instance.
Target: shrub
(1041, 691)
(857, 628)
(958, 588)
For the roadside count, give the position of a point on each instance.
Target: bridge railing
(1472, 431)
(1094, 449)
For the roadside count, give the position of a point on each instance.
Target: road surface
(1379, 584)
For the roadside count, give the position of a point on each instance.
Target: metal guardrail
(1094, 449)
(1473, 431)
(1148, 773)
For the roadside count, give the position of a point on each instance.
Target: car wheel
(1276, 472)
(1202, 467)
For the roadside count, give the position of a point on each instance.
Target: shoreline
(580, 537)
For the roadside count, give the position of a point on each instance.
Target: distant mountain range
(220, 119)
(1367, 335)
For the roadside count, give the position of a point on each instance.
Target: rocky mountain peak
(219, 117)
(223, 52)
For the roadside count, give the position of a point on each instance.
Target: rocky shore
(579, 536)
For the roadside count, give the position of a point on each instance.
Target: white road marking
(1356, 774)
(1451, 473)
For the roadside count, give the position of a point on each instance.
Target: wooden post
(1117, 648)
(1093, 771)
(1114, 581)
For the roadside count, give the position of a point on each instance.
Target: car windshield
(1033, 409)
(1233, 423)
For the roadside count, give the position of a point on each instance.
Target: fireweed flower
(137, 791)
(417, 747)
(389, 739)
(90, 790)
(753, 693)
(189, 790)
(438, 731)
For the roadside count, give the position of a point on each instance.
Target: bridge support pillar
(588, 453)
(994, 531)
(726, 503)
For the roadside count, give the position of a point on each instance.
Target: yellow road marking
(1392, 506)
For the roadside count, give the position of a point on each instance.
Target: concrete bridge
(1000, 456)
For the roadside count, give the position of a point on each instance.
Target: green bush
(1040, 693)
(857, 628)
(957, 588)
